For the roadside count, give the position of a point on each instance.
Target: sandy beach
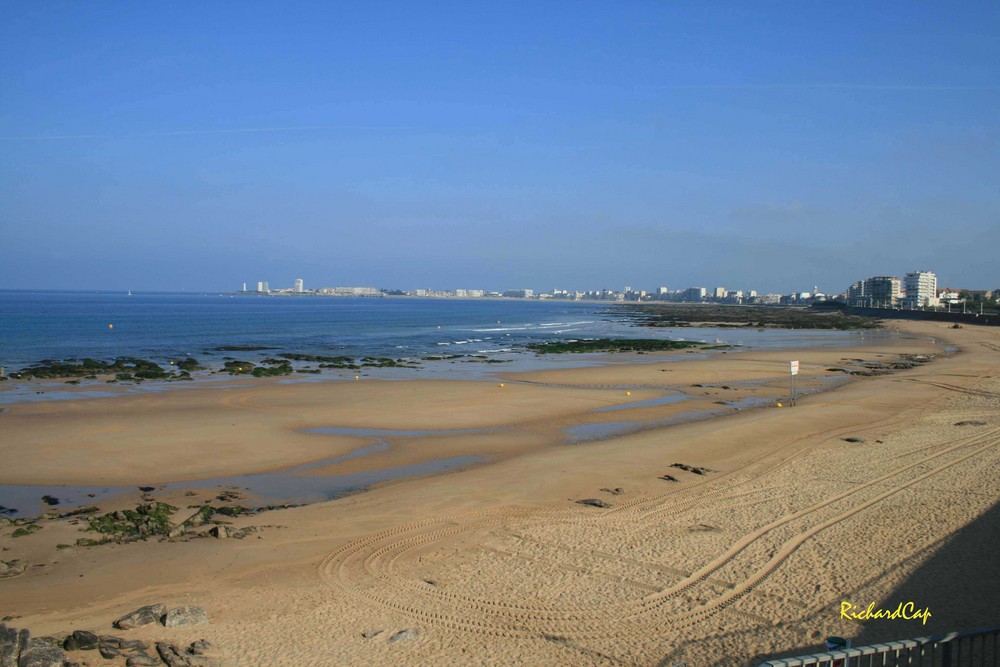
(497, 563)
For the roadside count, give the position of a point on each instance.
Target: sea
(64, 325)
(473, 339)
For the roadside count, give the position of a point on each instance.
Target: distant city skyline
(541, 145)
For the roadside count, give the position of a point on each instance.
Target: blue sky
(577, 145)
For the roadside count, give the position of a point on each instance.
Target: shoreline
(493, 520)
(287, 410)
(471, 367)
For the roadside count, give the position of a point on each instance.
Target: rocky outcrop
(18, 649)
(151, 613)
(11, 568)
(194, 656)
(184, 616)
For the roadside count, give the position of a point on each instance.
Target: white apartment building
(921, 289)
(299, 286)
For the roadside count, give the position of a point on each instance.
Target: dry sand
(498, 565)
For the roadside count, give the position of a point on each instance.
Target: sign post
(793, 368)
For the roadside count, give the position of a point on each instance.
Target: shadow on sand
(959, 583)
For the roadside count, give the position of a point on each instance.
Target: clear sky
(576, 145)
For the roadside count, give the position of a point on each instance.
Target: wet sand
(498, 564)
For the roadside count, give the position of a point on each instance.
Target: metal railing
(972, 648)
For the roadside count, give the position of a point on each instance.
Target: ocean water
(63, 325)
(74, 325)
(161, 326)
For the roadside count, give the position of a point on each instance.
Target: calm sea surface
(159, 326)
(75, 325)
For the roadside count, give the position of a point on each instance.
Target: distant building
(262, 287)
(875, 292)
(950, 296)
(696, 294)
(921, 289)
(719, 293)
(299, 285)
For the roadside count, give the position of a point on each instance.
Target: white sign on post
(794, 365)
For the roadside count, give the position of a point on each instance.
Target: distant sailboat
(130, 292)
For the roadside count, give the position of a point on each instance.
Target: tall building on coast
(921, 289)
(299, 286)
(917, 290)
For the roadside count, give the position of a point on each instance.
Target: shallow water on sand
(288, 486)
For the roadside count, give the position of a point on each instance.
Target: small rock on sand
(409, 633)
(200, 647)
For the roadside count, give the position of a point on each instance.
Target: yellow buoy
(357, 377)
(779, 405)
(111, 326)
(501, 385)
(628, 393)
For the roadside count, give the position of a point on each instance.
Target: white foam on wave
(501, 329)
(565, 324)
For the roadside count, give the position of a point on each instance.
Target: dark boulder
(185, 615)
(141, 616)
(81, 640)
